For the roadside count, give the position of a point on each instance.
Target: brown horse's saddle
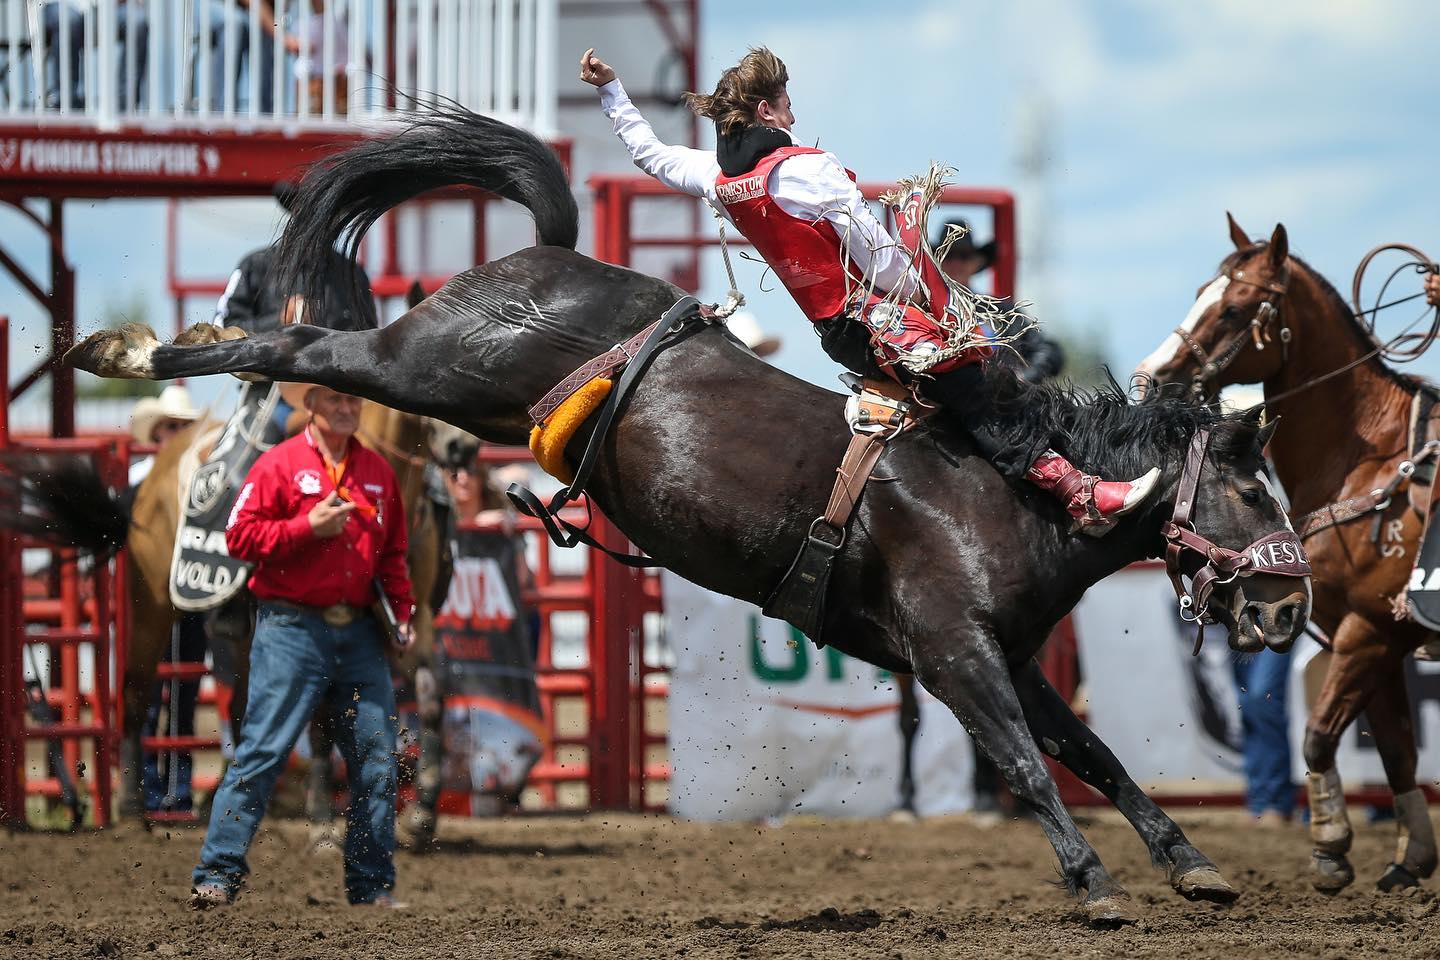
(878, 412)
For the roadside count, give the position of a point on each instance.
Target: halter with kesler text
(1279, 553)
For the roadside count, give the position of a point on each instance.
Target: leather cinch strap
(634, 354)
(860, 459)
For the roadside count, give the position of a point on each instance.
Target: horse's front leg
(973, 680)
(1063, 736)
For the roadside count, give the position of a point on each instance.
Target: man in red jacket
(321, 519)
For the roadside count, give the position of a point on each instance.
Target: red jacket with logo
(806, 255)
(270, 527)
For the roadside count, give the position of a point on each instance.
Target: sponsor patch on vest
(735, 191)
(207, 487)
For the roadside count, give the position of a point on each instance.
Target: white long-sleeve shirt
(811, 186)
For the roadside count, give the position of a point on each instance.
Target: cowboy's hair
(760, 75)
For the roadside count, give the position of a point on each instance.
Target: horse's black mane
(1106, 432)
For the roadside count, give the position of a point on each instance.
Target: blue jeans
(297, 663)
(1261, 681)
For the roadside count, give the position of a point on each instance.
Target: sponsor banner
(493, 729)
(1174, 720)
(203, 575)
(763, 723)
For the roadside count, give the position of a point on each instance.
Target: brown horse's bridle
(1257, 332)
(1279, 553)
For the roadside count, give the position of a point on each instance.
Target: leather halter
(1279, 553)
(1257, 332)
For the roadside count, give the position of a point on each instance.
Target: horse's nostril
(1286, 616)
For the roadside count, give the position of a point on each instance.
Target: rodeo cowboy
(875, 312)
(321, 518)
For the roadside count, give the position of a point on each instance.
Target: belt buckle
(338, 615)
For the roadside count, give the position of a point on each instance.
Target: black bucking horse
(717, 464)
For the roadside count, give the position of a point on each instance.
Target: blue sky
(1162, 116)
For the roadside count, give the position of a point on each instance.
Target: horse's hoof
(1330, 874)
(903, 815)
(1205, 883)
(200, 334)
(1396, 877)
(1110, 912)
(124, 353)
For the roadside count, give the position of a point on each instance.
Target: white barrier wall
(1173, 720)
(764, 724)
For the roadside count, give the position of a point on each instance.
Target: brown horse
(1269, 318)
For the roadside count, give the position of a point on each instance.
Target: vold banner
(493, 727)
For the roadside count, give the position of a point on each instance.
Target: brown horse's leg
(969, 675)
(1062, 735)
(1390, 721)
(1355, 671)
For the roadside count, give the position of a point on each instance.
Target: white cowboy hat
(295, 393)
(747, 328)
(173, 404)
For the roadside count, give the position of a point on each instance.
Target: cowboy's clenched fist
(595, 71)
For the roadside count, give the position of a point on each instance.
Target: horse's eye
(1251, 496)
(1230, 312)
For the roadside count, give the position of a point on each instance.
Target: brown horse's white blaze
(1173, 344)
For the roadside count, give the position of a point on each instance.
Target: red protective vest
(805, 255)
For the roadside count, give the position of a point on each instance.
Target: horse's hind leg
(973, 680)
(1390, 721)
(909, 729)
(1355, 670)
(1063, 736)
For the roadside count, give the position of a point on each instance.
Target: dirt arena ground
(636, 887)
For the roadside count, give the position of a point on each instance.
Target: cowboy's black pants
(975, 397)
(977, 401)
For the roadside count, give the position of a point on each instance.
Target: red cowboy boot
(1093, 503)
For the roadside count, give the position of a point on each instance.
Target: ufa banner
(493, 729)
(763, 723)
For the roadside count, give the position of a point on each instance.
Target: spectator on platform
(227, 26)
(132, 31)
(320, 517)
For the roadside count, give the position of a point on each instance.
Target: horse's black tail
(60, 499)
(341, 197)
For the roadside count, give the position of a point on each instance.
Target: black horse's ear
(414, 295)
(1262, 438)
(1279, 247)
(1237, 235)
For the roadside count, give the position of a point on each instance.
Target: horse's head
(1238, 330)
(1229, 538)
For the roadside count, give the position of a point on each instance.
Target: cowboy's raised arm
(679, 168)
